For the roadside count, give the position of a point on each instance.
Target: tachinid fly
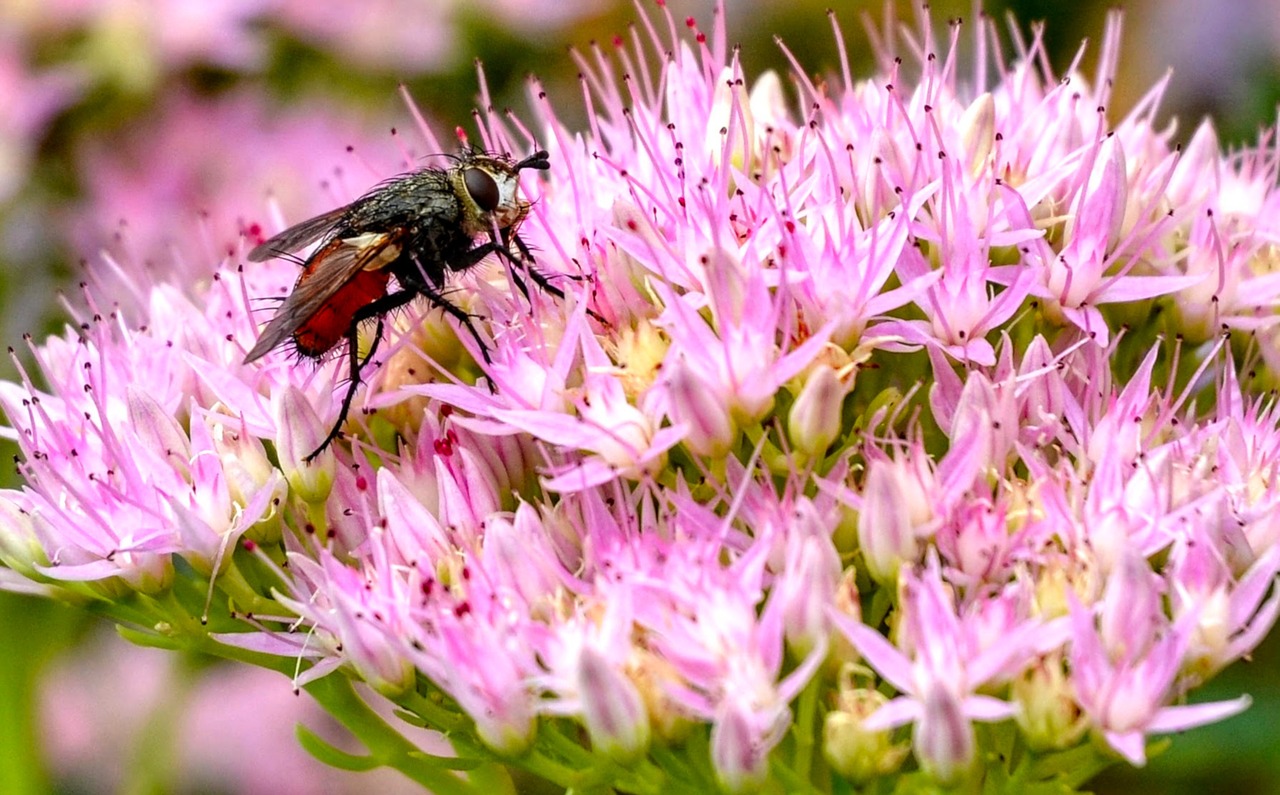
(416, 227)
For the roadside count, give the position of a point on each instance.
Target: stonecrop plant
(915, 433)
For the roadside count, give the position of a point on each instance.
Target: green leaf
(149, 639)
(449, 762)
(324, 751)
(1073, 767)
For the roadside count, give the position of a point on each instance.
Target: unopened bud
(300, 432)
(978, 132)
(247, 471)
(807, 585)
(711, 431)
(20, 547)
(858, 753)
(612, 709)
(944, 741)
(157, 430)
(654, 677)
(741, 760)
(894, 506)
(1048, 714)
(814, 421)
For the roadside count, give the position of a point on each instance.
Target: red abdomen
(318, 334)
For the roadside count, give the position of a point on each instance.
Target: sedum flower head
(872, 379)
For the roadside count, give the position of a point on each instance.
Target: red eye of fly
(483, 190)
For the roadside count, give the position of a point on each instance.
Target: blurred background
(156, 131)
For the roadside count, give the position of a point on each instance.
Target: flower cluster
(919, 406)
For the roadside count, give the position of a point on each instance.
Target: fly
(417, 227)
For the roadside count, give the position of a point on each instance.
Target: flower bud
(943, 740)
(20, 548)
(1047, 712)
(299, 433)
(807, 585)
(893, 506)
(244, 459)
(770, 115)
(158, 431)
(814, 421)
(711, 431)
(654, 677)
(1195, 175)
(1132, 615)
(978, 132)
(247, 470)
(851, 749)
(612, 709)
(144, 572)
(378, 663)
(738, 752)
(511, 730)
(1102, 207)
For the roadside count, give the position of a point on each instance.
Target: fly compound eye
(482, 188)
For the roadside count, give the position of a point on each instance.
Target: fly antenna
(539, 160)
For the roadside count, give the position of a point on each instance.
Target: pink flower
(860, 397)
(943, 664)
(1125, 695)
(586, 660)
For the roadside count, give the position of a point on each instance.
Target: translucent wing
(328, 271)
(297, 236)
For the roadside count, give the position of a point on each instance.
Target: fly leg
(427, 287)
(540, 279)
(378, 309)
(437, 299)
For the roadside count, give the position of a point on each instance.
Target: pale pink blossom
(860, 396)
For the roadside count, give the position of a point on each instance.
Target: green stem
(806, 717)
(550, 734)
(492, 779)
(544, 767)
(232, 582)
(680, 776)
(432, 714)
(644, 777)
(388, 746)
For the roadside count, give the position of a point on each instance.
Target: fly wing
(327, 272)
(297, 236)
